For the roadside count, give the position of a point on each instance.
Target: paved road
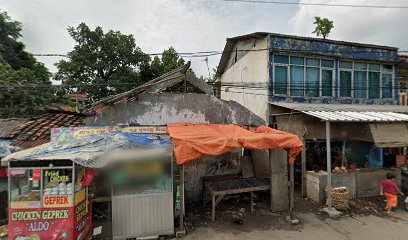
(314, 228)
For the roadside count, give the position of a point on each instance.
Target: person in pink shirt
(390, 190)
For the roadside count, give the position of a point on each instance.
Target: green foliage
(25, 84)
(170, 60)
(101, 64)
(323, 27)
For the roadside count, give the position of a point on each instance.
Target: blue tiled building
(307, 70)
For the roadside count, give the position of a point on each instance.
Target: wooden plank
(247, 167)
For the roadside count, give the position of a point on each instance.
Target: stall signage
(82, 220)
(145, 129)
(54, 176)
(41, 223)
(36, 174)
(57, 201)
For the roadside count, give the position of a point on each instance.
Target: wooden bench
(219, 186)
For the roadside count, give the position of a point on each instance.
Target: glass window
(25, 188)
(281, 79)
(387, 68)
(346, 65)
(281, 59)
(327, 82)
(360, 66)
(296, 80)
(345, 83)
(386, 86)
(328, 63)
(374, 85)
(296, 60)
(312, 82)
(374, 67)
(360, 84)
(312, 62)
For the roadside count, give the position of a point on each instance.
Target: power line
(320, 4)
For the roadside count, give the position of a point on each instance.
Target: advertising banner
(41, 223)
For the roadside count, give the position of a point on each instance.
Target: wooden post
(292, 190)
(182, 205)
(303, 168)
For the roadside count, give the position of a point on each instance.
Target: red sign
(41, 223)
(36, 174)
(82, 221)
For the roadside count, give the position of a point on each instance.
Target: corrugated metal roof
(341, 107)
(343, 116)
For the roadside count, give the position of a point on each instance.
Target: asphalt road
(316, 228)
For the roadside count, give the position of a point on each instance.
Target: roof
(229, 45)
(351, 113)
(350, 116)
(7, 125)
(37, 130)
(159, 84)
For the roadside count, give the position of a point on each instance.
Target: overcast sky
(199, 25)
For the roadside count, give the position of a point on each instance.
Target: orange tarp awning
(193, 141)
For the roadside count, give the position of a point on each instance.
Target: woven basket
(340, 200)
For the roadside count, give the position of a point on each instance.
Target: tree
(170, 60)
(25, 86)
(102, 64)
(323, 27)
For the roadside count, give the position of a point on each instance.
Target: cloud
(365, 25)
(199, 25)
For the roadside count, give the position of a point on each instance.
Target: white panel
(142, 215)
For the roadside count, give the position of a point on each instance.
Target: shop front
(346, 145)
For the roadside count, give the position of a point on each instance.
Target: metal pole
(328, 151)
(303, 168)
(343, 159)
(182, 209)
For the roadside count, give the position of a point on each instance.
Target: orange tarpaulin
(193, 141)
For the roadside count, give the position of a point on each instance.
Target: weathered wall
(166, 108)
(251, 70)
(334, 49)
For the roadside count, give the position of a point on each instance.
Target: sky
(199, 25)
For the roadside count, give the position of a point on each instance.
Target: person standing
(390, 190)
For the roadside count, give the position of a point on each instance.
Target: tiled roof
(7, 125)
(37, 130)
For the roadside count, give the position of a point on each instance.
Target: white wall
(249, 69)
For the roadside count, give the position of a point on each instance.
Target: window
(360, 80)
(25, 188)
(374, 81)
(281, 79)
(313, 77)
(345, 78)
(327, 78)
(386, 80)
(298, 76)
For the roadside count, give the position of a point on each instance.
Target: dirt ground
(365, 220)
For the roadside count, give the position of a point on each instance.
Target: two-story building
(309, 85)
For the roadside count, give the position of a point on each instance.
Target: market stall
(48, 198)
(46, 180)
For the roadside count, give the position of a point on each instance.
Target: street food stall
(48, 196)
(48, 200)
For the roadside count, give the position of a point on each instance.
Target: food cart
(48, 200)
